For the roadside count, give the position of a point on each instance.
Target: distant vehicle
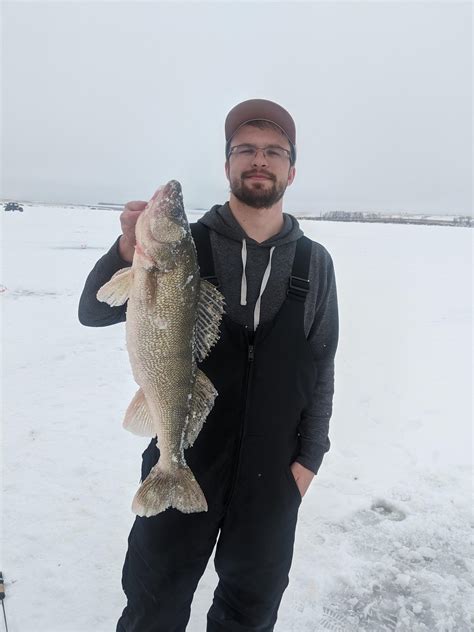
(13, 206)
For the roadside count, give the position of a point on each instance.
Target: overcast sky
(104, 101)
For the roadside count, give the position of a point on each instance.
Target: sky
(105, 101)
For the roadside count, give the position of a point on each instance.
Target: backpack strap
(298, 285)
(202, 241)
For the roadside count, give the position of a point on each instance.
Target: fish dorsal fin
(202, 401)
(116, 291)
(209, 315)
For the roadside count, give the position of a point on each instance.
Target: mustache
(249, 174)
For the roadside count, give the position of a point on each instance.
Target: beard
(257, 194)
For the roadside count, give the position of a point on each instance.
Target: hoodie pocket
(293, 484)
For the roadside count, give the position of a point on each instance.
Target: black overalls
(241, 460)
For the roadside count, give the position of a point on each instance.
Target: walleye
(173, 320)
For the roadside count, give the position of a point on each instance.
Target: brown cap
(262, 110)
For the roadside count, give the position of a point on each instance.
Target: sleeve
(94, 313)
(323, 338)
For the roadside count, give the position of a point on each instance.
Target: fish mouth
(167, 201)
(173, 201)
(173, 187)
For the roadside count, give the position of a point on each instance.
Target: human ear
(291, 174)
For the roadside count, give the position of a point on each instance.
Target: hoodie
(254, 278)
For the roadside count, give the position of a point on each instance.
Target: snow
(383, 538)
(188, 280)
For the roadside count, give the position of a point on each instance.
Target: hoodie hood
(221, 220)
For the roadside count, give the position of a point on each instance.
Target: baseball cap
(263, 110)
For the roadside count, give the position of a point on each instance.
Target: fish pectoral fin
(116, 291)
(137, 417)
(202, 401)
(209, 315)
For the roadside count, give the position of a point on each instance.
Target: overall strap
(298, 286)
(202, 241)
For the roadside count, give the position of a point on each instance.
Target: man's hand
(303, 477)
(128, 220)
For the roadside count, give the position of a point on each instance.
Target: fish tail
(169, 488)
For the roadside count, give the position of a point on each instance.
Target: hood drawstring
(243, 286)
(266, 276)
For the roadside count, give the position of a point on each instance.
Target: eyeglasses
(273, 153)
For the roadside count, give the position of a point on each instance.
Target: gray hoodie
(246, 271)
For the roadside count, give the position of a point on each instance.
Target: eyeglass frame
(291, 152)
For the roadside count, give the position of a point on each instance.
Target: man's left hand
(303, 477)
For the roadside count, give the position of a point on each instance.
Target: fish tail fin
(169, 488)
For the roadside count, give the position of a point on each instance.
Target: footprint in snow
(387, 510)
(404, 575)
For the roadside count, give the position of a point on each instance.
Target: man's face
(259, 180)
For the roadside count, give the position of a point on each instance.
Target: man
(273, 368)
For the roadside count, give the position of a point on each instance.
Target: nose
(259, 161)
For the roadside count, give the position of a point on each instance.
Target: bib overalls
(241, 460)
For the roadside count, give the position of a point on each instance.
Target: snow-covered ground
(383, 539)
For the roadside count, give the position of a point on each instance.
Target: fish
(172, 322)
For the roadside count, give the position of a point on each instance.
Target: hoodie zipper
(250, 355)
(248, 375)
